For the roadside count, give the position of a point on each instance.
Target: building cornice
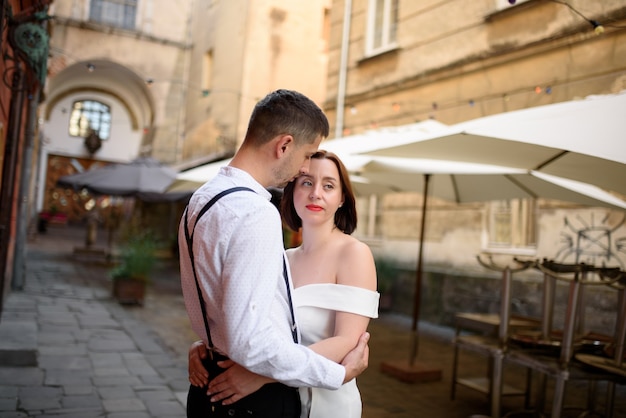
(110, 30)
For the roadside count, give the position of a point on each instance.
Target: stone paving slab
(97, 358)
(91, 357)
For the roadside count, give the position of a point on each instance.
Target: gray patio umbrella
(142, 177)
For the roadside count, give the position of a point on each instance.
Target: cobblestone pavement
(100, 359)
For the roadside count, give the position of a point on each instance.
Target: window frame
(388, 31)
(521, 220)
(104, 126)
(114, 13)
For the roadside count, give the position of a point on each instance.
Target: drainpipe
(11, 151)
(24, 204)
(343, 68)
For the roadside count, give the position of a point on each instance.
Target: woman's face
(318, 194)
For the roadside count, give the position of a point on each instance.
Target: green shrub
(137, 257)
(386, 273)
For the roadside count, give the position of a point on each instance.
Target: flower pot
(129, 291)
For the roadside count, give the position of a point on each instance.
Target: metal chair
(492, 342)
(542, 359)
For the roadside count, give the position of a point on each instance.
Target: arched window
(89, 115)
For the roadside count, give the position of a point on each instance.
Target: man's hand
(356, 361)
(234, 383)
(198, 376)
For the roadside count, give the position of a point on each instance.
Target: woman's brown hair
(345, 217)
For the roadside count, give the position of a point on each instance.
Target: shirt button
(231, 412)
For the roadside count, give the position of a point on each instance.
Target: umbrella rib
(457, 197)
(550, 160)
(520, 185)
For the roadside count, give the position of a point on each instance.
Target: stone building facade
(242, 50)
(398, 62)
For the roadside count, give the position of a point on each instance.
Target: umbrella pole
(411, 371)
(418, 276)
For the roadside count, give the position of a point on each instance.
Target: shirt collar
(243, 178)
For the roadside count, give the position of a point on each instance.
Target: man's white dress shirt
(238, 248)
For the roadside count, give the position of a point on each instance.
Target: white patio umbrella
(191, 180)
(346, 148)
(583, 140)
(468, 182)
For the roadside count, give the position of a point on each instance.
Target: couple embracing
(283, 333)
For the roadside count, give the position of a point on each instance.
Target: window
(512, 224)
(88, 115)
(381, 26)
(118, 13)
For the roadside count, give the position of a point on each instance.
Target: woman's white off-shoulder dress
(316, 305)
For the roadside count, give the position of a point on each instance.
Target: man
(240, 262)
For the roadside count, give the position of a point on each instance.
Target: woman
(334, 278)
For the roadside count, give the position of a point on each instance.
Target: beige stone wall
(460, 60)
(256, 47)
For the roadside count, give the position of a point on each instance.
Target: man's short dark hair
(284, 112)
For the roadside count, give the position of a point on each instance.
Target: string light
(204, 92)
(397, 106)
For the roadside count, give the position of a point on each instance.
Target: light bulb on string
(597, 27)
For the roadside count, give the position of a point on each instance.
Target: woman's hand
(198, 376)
(234, 383)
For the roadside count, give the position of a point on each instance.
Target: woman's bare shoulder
(357, 266)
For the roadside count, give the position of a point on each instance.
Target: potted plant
(132, 274)
(386, 276)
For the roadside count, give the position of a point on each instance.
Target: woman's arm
(357, 269)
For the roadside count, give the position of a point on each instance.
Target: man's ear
(282, 144)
